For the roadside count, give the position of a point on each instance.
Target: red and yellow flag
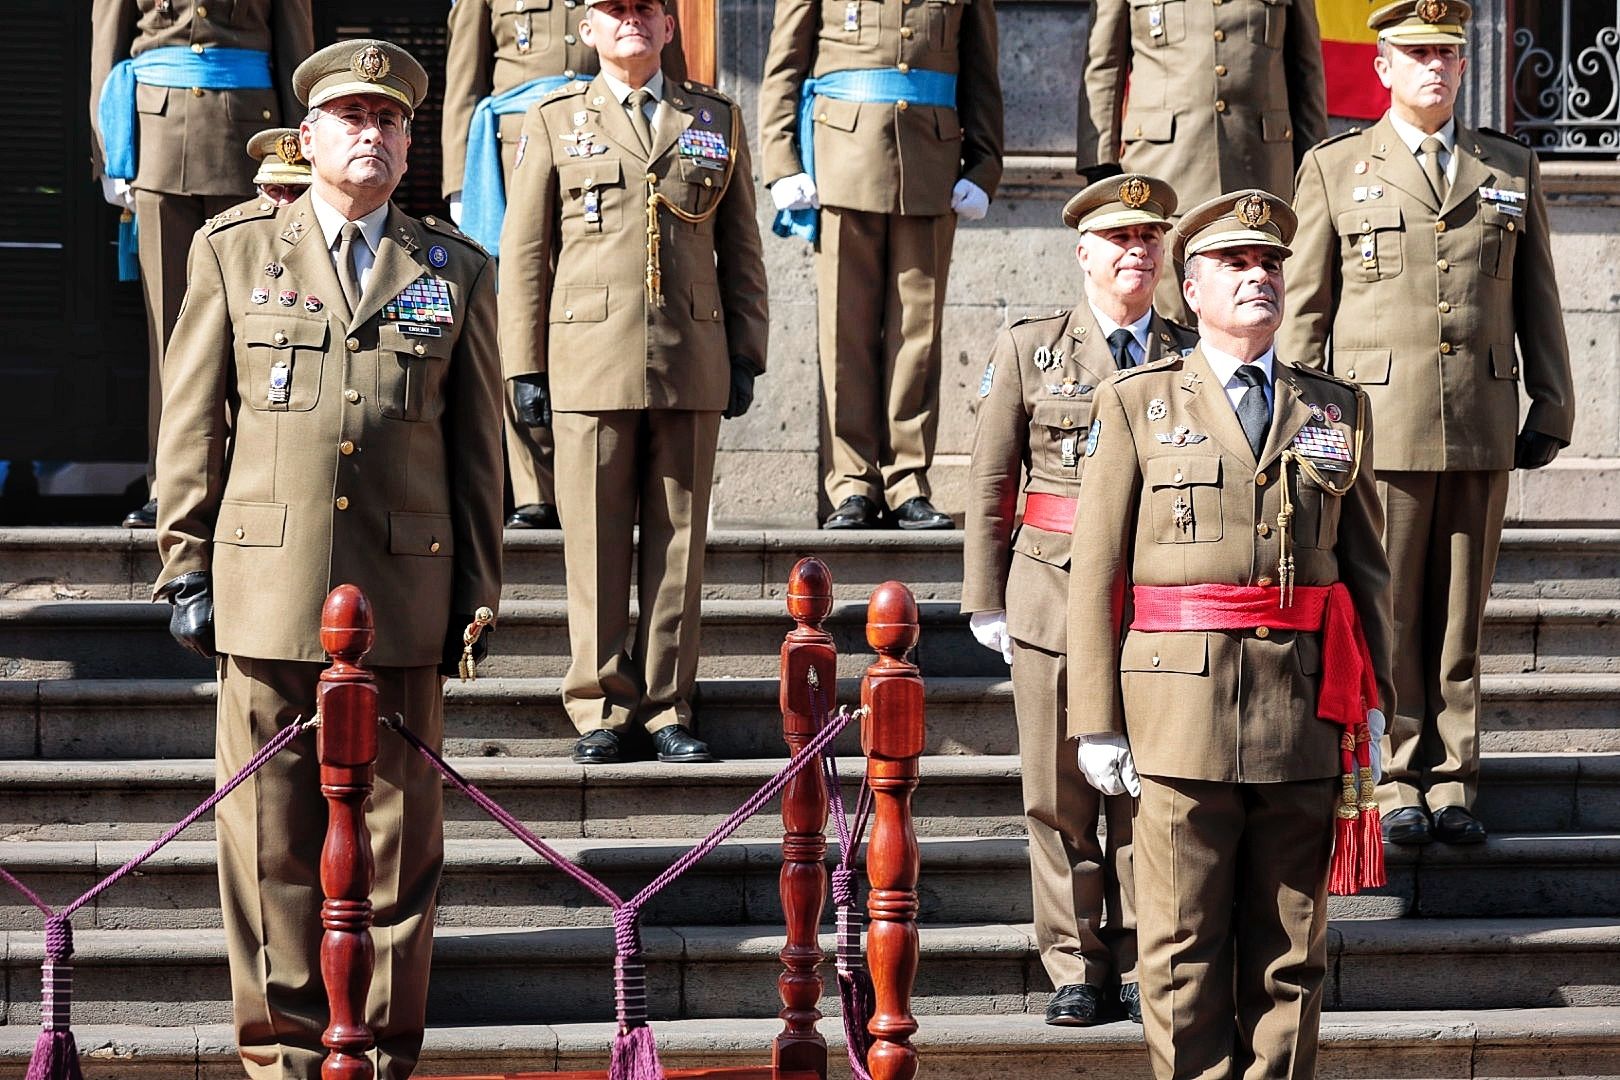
(1348, 48)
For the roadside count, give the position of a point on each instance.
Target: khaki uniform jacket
(1220, 96)
(382, 468)
(495, 45)
(190, 140)
(1420, 304)
(885, 159)
(574, 254)
(1229, 706)
(1034, 408)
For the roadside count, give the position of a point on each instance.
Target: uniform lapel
(397, 265)
(1289, 413)
(305, 258)
(1090, 347)
(673, 116)
(1399, 166)
(1472, 171)
(613, 120)
(1161, 342)
(1206, 402)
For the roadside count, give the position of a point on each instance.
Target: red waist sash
(1054, 513)
(1349, 689)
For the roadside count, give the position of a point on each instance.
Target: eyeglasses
(356, 119)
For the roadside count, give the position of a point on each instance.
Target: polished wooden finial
(891, 620)
(347, 628)
(810, 594)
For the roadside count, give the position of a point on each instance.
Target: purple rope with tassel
(56, 1054)
(635, 1052)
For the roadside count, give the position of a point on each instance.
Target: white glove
(969, 200)
(990, 630)
(454, 200)
(796, 192)
(117, 193)
(1108, 766)
(1376, 726)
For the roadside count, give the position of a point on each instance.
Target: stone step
(1420, 1045)
(964, 880)
(740, 718)
(111, 639)
(961, 795)
(488, 975)
(69, 563)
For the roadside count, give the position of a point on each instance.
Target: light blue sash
(868, 86)
(172, 65)
(483, 187)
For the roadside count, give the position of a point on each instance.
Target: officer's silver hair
(309, 118)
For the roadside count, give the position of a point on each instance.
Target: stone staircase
(1501, 961)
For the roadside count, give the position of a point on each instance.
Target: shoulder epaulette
(251, 210)
(1502, 135)
(448, 228)
(1318, 373)
(1060, 313)
(567, 89)
(692, 86)
(1340, 137)
(1160, 364)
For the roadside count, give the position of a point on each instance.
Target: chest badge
(287, 298)
(1046, 358)
(438, 256)
(1181, 515)
(987, 379)
(312, 303)
(272, 270)
(1181, 437)
(261, 296)
(1157, 409)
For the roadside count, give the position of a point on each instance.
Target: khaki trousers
(1074, 879)
(166, 225)
(270, 834)
(880, 287)
(1231, 895)
(612, 467)
(1442, 532)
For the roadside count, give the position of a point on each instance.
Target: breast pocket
(1184, 499)
(1058, 436)
(1371, 241)
(1157, 23)
(1268, 22)
(593, 191)
(1316, 512)
(280, 360)
(945, 23)
(412, 359)
(521, 27)
(850, 22)
(1499, 241)
(701, 185)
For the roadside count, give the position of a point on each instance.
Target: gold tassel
(1285, 540)
(655, 276)
(468, 667)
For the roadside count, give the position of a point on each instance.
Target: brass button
(708, 181)
(264, 206)
(281, 338)
(1365, 225)
(568, 39)
(352, 344)
(902, 105)
(1035, 548)
(1262, 632)
(519, 5)
(351, 396)
(434, 547)
(1439, 226)
(1220, 70)
(1511, 226)
(342, 502)
(1260, 481)
(904, 67)
(196, 91)
(1068, 421)
(346, 447)
(197, 47)
(1220, 35)
(1220, 104)
(1514, 370)
(1155, 659)
(265, 114)
(1442, 264)
(906, 31)
(431, 220)
(1444, 307)
(714, 313)
(568, 313)
(202, 12)
(1445, 348)
(821, 118)
(1288, 133)
(1264, 582)
(419, 349)
(651, 179)
(240, 532)
(1263, 529)
(570, 4)
(1177, 479)
(568, 73)
(1351, 374)
(1138, 133)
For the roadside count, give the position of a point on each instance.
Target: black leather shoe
(1408, 825)
(855, 512)
(1455, 825)
(599, 748)
(919, 513)
(1075, 1005)
(144, 517)
(1130, 995)
(534, 516)
(676, 744)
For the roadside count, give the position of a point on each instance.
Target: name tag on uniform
(421, 330)
(1505, 200)
(425, 300)
(1326, 447)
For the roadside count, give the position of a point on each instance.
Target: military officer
(1223, 94)
(887, 117)
(176, 87)
(347, 354)
(283, 173)
(1229, 630)
(1423, 253)
(1035, 400)
(500, 58)
(633, 318)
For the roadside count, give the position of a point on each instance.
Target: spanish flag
(1348, 48)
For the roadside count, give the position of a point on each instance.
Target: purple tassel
(635, 1055)
(56, 1054)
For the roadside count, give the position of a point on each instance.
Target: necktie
(637, 104)
(345, 264)
(1429, 156)
(1252, 411)
(1119, 343)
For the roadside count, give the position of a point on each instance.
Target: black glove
(1534, 449)
(531, 399)
(743, 374)
(450, 659)
(1100, 171)
(191, 615)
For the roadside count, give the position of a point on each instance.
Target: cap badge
(1135, 192)
(1252, 211)
(370, 63)
(1431, 11)
(287, 149)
